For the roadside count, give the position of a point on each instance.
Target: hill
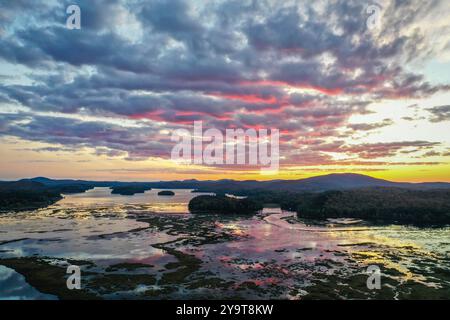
(336, 181)
(425, 207)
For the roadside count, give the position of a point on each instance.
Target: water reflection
(14, 287)
(99, 197)
(270, 255)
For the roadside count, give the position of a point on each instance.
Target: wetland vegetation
(166, 193)
(254, 244)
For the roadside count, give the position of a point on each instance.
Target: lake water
(147, 246)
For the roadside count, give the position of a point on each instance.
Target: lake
(147, 246)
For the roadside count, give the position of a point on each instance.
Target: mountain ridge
(334, 181)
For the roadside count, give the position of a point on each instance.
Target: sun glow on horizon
(101, 102)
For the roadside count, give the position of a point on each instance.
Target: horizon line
(153, 181)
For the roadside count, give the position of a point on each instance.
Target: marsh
(149, 247)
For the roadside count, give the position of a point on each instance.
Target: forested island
(166, 193)
(224, 205)
(393, 205)
(379, 204)
(129, 190)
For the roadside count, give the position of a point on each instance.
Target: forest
(394, 205)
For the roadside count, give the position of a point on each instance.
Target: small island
(166, 193)
(129, 190)
(223, 205)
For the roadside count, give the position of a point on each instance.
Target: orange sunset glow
(102, 102)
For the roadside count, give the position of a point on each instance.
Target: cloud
(370, 126)
(106, 138)
(385, 149)
(440, 113)
(303, 67)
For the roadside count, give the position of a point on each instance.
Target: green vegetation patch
(166, 193)
(127, 266)
(223, 205)
(129, 190)
(47, 278)
(186, 265)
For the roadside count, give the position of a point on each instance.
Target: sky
(349, 88)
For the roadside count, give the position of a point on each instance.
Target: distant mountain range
(343, 181)
(351, 195)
